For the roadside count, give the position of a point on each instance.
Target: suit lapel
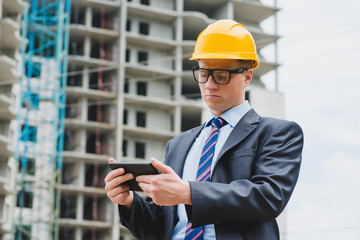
(244, 127)
(187, 141)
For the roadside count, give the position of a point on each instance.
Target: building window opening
(145, 2)
(143, 58)
(128, 25)
(141, 88)
(141, 119)
(126, 85)
(139, 150)
(24, 199)
(127, 55)
(144, 28)
(124, 148)
(125, 117)
(68, 206)
(29, 168)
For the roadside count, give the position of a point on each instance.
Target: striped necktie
(204, 170)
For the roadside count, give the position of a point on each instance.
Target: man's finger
(113, 174)
(160, 166)
(145, 178)
(118, 180)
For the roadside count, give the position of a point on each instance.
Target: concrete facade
(10, 42)
(147, 95)
(130, 89)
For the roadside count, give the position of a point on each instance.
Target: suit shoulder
(275, 124)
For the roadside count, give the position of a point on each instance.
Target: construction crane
(40, 118)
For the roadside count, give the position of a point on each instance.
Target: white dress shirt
(232, 117)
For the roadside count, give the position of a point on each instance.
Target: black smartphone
(136, 168)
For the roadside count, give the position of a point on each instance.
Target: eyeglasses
(220, 76)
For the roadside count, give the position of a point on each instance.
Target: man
(227, 179)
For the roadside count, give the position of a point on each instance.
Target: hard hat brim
(231, 55)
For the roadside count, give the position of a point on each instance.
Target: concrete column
(80, 200)
(78, 234)
(230, 9)
(87, 47)
(120, 103)
(85, 78)
(81, 135)
(178, 66)
(121, 72)
(1, 4)
(88, 16)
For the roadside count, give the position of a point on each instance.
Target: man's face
(220, 98)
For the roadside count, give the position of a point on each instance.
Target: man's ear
(248, 77)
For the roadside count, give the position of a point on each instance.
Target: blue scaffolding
(40, 118)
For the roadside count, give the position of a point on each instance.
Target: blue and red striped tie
(204, 171)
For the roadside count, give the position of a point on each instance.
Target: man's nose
(211, 84)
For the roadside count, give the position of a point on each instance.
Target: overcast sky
(320, 76)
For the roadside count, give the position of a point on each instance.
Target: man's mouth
(212, 96)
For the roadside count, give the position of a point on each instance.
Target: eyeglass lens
(219, 76)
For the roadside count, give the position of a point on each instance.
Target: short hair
(246, 63)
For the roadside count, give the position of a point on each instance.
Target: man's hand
(165, 189)
(116, 191)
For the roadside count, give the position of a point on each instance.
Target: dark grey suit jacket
(251, 183)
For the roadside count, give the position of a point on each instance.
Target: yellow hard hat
(226, 39)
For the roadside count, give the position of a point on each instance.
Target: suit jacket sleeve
(145, 220)
(263, 195)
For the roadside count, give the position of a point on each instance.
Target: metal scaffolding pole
(40, 117)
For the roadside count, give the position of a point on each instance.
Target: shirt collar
(231, 116)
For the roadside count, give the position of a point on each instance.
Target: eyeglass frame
(211, 71)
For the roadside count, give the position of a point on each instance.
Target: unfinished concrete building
(130, 90)
(10, 42)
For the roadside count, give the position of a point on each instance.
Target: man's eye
(222, 76)
(203, 74)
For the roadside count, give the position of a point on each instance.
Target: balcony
(4, 146)
(148, 72)
(8, 69)
(70, 156)
(262, 39)
(148, 133)
(81, 189)
(90, 94)
(151, 12)
(191, 30)
(79, 32)
(86, 224)
(10, 34)
(5, 177)
(7, 112)
(107, 4)
(89, 125)
(13, 6)
(210, 8)
(252, 11)
(149, 102)
(264, 67)
(83, 61)
(150, 42)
